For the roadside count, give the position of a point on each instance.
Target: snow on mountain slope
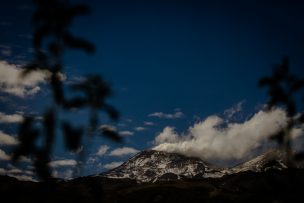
(273, 159)
(153, 165)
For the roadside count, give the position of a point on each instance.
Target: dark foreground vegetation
(269, 186)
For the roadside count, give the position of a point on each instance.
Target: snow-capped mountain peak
(273, 159)
(151, 165)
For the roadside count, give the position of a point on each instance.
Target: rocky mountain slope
(273, 159)
(144, 178)
(269, 186)
(152, 166)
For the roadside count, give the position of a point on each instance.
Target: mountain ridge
(152, 166)
(241, 185)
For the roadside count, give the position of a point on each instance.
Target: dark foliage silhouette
(52, 38)
(283, 87)
(270, 186)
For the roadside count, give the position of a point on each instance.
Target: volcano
(152, 166)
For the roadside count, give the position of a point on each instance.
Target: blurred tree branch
(52, 38)
(282, 88)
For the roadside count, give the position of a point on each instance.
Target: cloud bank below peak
(215, 139)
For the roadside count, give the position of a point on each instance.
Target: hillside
(152, 176)
(269, 186)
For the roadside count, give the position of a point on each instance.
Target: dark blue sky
(201, 57)
(194, 57)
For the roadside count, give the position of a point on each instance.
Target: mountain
(269, 186)
(144, 178)
(152, 166)
(273, 159)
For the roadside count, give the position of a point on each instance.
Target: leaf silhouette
(282, 86)
(111, 134)
(51, 21)
(72, 136)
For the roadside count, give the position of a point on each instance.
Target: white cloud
(167, 136)
(75, 79)
(297, 131)
(112, 165)
(63, 162)
(123, 151)
(80, 149)
(91, 160)
(209, 140)
(14, 170)
(13, 118)
(108, 127)
(234, 110)
(175, 115)
(27, 172)
(126, 133)
(149, 123)
(65, 174)
(12, 83)
(138, 129)
(23, 177)
(25, 159)
(2, 171)
(6, 139)
(4, 156)
(102, 150)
